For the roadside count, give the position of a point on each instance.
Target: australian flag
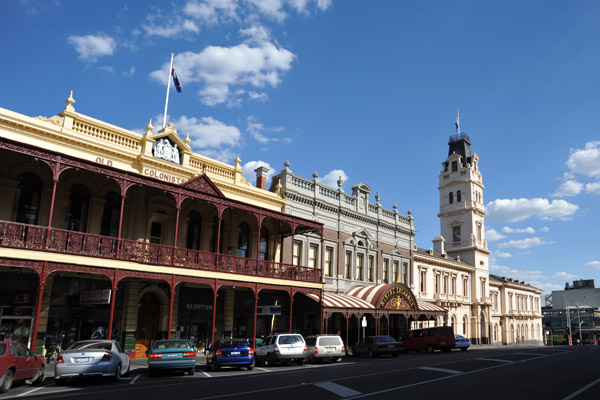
(176, 81)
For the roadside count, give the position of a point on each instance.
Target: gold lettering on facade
(403, 298)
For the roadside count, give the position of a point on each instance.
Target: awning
(426, 306)
(342, 301)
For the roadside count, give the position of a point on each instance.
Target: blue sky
(367, 90)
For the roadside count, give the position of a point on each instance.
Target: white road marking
(207, 374)
(449, 371)
(340, 390)
(29, 392)
(530, 354)
(263, 369)
(134, 379)
(495, 359)
(586, 387)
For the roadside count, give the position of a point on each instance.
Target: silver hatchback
(92, 358)
(325, 347)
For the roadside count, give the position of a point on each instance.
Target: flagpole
(168, 87)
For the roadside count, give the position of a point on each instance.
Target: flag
(457, 123)
(176, 81)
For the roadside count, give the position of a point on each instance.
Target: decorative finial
(315, 175)
(70, 101)
(377, 197)
(409, 213)
(237, 160)
(187, 139)
(149, 127)
(395, 207)
(286, 164)
(340, 182)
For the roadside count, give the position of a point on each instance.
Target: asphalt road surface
(479, 373)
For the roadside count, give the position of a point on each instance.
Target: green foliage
(558, 339)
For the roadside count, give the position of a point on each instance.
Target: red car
(18, 363)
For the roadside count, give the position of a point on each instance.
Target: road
(480, 373)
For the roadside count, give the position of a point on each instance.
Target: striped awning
(426, 306)
(342, 301)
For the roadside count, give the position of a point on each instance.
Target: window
(243, 240)
(360, 258)
(263, 247)
(458, 196)
(451, 198)
(466, 287)
(110, 215)
(297, 256)
(423, 280)
(456, 234)
(445, 284)
(465, 323)
(386, 268)
(313, 259)
(194, 229)
(454, 166)
(395, 272)
(155, 232)
(77, 211)
(405, 273)
(437, 283)
(27, 199)
(348, 265)
(483, 292)
(329, 261)
(371, 273)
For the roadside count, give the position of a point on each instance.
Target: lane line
(449, 371)
(530, 354)
(586, 387)
(495, 359)
(134, 379)
(340, 390)
(263, 369)
(207, 374)
(29, 392)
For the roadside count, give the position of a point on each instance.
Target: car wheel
(371, 353)
(429, 348)
(258, 362)
(249, 367)
(7, 381)
(270, 360)
(191, 371)
(396, 354)
(39, 377)
(117, 376)
(463, 349)
(151, 372)
(126, 373)
(215, 366)
(300, 361)
(354, 352)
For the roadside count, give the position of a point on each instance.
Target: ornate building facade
(107, 232)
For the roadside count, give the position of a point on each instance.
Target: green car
(172, 355)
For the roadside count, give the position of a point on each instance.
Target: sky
(366, 90)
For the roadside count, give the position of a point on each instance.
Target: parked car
(462, 342)
(375, 346)
(230, 353)
(91, 358)
(18, 363)
(429, 339)
(325, 347)
(281, 348)
(172, 355)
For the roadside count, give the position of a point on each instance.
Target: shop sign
(95, 297)
(22, 298)
(199, 307)
(268, 310)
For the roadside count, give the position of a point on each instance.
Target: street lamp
(579, 323)
(568, 320)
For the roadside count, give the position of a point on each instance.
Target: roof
(342, 301)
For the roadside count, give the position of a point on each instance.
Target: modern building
(105, 232)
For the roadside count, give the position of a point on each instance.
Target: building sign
(199, 307)
(163, 177)
(398, 298)
(268, 310)
(95, 297)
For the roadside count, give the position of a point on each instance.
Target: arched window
(26, 207)
(451, 198)
(465, 324)
(263, 250)
(458, 196)
(194, 229)
(456, 234)
(77, 212)
(243, 240)
(110, 215)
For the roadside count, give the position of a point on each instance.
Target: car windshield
(171, 344)
(291, 339)
(91, 346)
(383, 339)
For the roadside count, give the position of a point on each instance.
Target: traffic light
(568, 329)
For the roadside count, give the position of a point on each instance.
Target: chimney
(261, 177)
(438, 244)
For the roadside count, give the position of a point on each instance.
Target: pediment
(203, 184)
(168, 145)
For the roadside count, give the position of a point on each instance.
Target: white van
(325, 347)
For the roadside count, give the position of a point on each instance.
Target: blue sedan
(231, 353)
(171, 355)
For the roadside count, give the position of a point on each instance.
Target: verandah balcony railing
(34, 237)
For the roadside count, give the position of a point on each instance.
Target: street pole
(579, 324)
(568, 320)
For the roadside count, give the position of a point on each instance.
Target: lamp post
(579, 324)
(568, 320)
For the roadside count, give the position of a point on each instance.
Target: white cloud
(523, 243)
(272, 9)
(585, 161)
(330, 180)
(211, 12)
(206, 133)
(545, 229)
(258, 131)
(501, 254)
(91, 47)
(593, 188)
(249, 173)
(529, 229)
(129, 73)
(568, 188)
(514, 210)
(492, 235)
(593, 265)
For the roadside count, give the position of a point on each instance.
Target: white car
(91, 358)
(462, 343)
(282, 348)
